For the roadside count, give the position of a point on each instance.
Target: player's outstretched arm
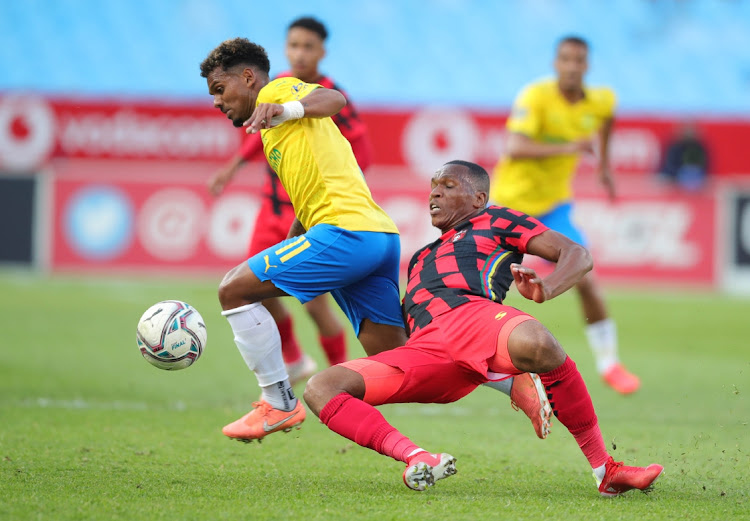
(572, 262)
(320, 103)
(605, 172)
(323, 103)
(520, 146)
(220, 179)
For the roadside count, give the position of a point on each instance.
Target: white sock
(280, 395)
(602, 337)
(503, 386)
(258, 340)
(599, 474)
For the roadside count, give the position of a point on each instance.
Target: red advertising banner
(160, 216)
(34, 129)
(660, 238)
(148, 216)
(426, 138)
(129, 183)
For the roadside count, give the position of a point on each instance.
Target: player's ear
(480, 200)
(248, 75)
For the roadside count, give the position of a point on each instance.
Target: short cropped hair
(574, 39)
(311, 24)
(239, 51)
(478, 176)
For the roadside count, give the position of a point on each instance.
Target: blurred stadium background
(107, 134)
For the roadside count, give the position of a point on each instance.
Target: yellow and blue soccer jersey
(540, 112)
(317, 168)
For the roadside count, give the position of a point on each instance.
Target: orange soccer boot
(529, 395)
(620, 379)
(264, 420)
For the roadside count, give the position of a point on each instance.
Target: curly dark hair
(235, 52)
(311, 24)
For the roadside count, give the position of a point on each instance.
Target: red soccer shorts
(445, 360)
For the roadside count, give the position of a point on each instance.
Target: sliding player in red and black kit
(462, 335)
(304, 50)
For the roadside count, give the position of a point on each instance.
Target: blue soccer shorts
(360, 270)
(560, 220)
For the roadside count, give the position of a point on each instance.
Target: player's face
(453, 199)
(233, 93)
(571, 64)
(304, 49)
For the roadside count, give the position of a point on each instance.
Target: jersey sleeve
(612, 97)
(525, 117)
(513, 229)
(251, 146)
(282, 90)
(607, 102)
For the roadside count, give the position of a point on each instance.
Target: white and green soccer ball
(171, 335)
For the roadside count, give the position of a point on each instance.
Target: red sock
(334, 347)
(364, 425)
(572, 405)
(289, 346)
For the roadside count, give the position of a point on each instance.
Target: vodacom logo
(27, 127)
(435, 136)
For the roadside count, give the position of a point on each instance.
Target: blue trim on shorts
(560, 220)
(360, 270)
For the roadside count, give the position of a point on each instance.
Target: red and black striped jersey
(467, 263)
(348, 122)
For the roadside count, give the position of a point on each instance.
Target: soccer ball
(171, 335)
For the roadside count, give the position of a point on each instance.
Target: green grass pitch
(89, 430)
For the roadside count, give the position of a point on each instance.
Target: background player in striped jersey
(461, 335)
(552, 123)
(305, 48)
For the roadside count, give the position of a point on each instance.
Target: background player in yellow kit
(346, 245)
(552, 123)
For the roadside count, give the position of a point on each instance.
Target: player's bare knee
(225, 291)
(319, 390)
(549, 354)
(229, 294)
(327, 384)
(234, 290)
(533, 348)
(312, 394)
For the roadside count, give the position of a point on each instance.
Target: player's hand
(217, 182)
(528, 283)
(261, 118)
(605, 176)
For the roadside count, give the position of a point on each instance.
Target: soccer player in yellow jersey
(341, 242)
(552, 123)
